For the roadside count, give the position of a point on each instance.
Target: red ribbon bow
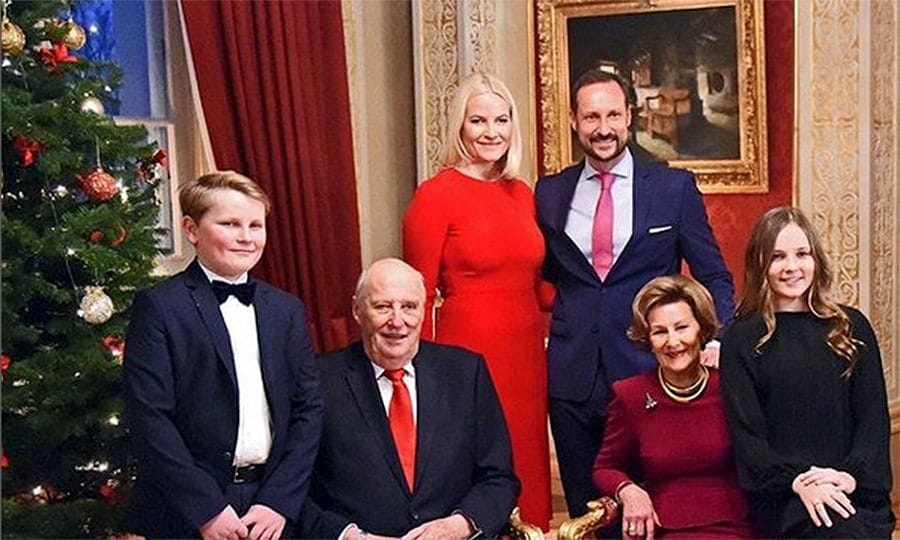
(56, 54)
(27, 149)
(115, 346)
(160, 157)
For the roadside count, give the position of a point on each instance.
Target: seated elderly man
(414, 442)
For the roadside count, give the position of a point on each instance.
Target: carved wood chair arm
(602, 513)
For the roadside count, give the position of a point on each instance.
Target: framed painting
(696, 68)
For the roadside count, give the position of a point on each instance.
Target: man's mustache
(600, 137)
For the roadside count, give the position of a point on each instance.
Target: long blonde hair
(454, 151)
(757, 297)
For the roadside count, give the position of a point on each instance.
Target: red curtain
(273, 85)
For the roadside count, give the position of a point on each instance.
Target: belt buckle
(237, 477)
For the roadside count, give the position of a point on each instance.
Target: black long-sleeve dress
(788, 408)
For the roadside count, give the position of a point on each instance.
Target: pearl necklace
(688, 393)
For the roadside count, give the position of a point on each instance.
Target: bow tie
(243, 291)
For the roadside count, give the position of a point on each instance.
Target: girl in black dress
(804, 391)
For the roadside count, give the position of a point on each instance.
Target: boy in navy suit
(222, 391)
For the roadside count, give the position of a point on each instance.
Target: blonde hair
(454, 150)
(757, 296)
(195, 196)
(665, 290)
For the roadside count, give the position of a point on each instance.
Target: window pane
(131, 34)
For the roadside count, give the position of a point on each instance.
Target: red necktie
(602, 234)
(400, 417)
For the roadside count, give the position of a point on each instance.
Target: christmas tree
(79, 227)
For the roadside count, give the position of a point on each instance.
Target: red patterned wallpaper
(733, 215)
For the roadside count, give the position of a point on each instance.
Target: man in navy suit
(654, 219)
(446, 474)
(222, 391)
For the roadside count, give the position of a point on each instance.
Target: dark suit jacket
(462, 459)
(182, 403)
(590, 317)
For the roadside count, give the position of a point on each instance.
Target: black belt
(248, 474)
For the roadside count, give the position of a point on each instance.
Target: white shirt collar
(623, 169)
(409, 369)
(212, 276)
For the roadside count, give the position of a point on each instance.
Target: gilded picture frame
(697, 68)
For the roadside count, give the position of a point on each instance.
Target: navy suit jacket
(182, 403)
(590, 316)
(463, 457)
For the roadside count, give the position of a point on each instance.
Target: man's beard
(620, 146)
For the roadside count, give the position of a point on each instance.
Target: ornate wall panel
(885, 310)
(835, 135)
(848, 157)
(450, 39)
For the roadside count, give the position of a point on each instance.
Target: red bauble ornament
(109, 491)
(5, 361)
(99, 185)
(4, 461)
(95, 236)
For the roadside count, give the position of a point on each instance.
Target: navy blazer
(182, 403)
(463, 457)
(590, 316)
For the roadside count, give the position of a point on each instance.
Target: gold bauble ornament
(92, 104)
(99, 185)
(13, 38)
(96, 307)
(75, 37)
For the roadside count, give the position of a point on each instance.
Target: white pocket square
(654, 230)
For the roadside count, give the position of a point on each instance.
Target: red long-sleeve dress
(478, 242)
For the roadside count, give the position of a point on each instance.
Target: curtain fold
(273, 84)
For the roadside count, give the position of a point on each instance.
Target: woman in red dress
(471, 231)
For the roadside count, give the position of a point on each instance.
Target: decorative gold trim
(601, 513)
(749, 174)
(885, 194)
(522, 530)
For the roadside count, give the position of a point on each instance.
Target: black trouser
(577, 433)
(240, 496)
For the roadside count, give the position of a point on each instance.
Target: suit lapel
(430, 396)
(565, 249)
(267, 325)
(208, 306)
(565, 191)
(361, 380)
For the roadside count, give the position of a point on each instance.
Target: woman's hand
(818, 497)
(639, 519)
(844, 481)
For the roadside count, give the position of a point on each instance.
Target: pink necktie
(602, 233)
(403, 428)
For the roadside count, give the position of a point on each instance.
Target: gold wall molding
(451, 39)
(884, 150)
(848, 157)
